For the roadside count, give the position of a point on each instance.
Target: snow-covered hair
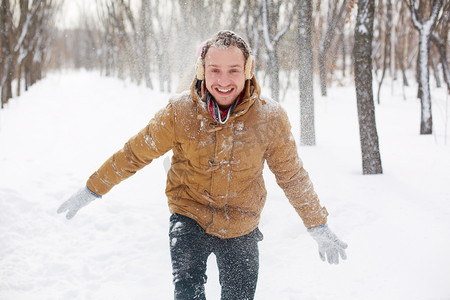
(225, 39)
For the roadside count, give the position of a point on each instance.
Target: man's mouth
(224, 91)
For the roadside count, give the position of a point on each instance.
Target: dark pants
(237, 260)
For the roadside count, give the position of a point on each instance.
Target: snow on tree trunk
(423, 69)
(307, 130)
(371, 160)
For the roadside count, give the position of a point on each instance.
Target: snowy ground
(54, 136)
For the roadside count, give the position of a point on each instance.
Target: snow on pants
(237, 260)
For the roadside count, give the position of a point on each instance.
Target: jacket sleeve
(151, 142)
(284, 162)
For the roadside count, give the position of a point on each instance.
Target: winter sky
(71, 10)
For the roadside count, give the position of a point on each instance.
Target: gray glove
(78, 200)
(329, 244)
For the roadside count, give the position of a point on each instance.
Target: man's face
(224, 74)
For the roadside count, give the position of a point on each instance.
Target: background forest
(141, 38)
(154, 42)
(161, 37)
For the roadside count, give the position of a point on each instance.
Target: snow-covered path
(54, 136)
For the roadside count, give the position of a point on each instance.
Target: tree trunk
(332, 21)
(6, 53)
(435, 67)
(235, 14)
(19, 79)
(344, 54)
(274, 75)
(307, 130)
(371, 160)
(144, 36)
(271, 35)
(423, 69)
(387, 45)
(402, 67)
(269, 25)
(443, 55)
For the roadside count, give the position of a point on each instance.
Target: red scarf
(215, 111)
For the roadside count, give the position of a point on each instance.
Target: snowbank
(54, 136)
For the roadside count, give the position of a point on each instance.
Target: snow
(362, 29)
(60, 131)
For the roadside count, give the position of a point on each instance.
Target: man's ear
(249, 68)
(200, 69)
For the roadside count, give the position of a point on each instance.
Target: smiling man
(221, 133)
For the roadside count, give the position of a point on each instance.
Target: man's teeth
(224, 91)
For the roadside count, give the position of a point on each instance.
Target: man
(221, 132)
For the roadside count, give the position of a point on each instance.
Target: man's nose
(223, 79)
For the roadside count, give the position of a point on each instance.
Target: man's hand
(80, 199)
(329, 244)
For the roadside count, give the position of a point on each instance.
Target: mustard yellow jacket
(216, 176)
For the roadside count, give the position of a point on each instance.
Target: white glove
(78, 200)
(329, 244)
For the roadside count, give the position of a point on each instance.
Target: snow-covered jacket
(216, 175)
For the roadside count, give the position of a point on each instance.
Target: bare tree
(387, 45)
(271, 34)
(335, 16)
(252, 14)
(119, 39)
(143, 39)
(39, 45)
(25, 36)
(6, 53)
(371, 160)
(425, 27)
(440, 40)
(165, 17)
(402, 40)
(305, 76)
(125, 19)
(236, 14)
